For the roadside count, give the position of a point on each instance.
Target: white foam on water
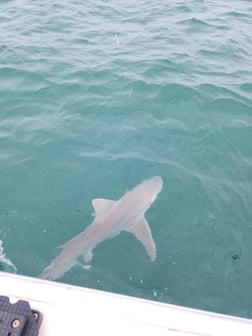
(4, 259)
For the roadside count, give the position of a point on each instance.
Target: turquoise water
(97, 96)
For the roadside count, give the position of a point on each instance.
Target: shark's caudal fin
(142, 232)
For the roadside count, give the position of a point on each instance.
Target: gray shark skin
(111, 217)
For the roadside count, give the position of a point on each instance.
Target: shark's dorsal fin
(142, 232)
(101, 206)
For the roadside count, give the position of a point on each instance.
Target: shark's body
(111, 217)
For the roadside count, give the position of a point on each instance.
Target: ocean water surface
(97, 96)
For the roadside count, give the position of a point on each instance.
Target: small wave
(5, 263)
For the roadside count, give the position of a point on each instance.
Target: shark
(111, 218)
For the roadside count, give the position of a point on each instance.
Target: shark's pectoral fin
(101, 206)
(142, 232)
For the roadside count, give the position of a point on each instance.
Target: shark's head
(153, 186)
(146, 192)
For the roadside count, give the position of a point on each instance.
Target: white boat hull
(70, 310)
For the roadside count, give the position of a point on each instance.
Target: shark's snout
(155, 184)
